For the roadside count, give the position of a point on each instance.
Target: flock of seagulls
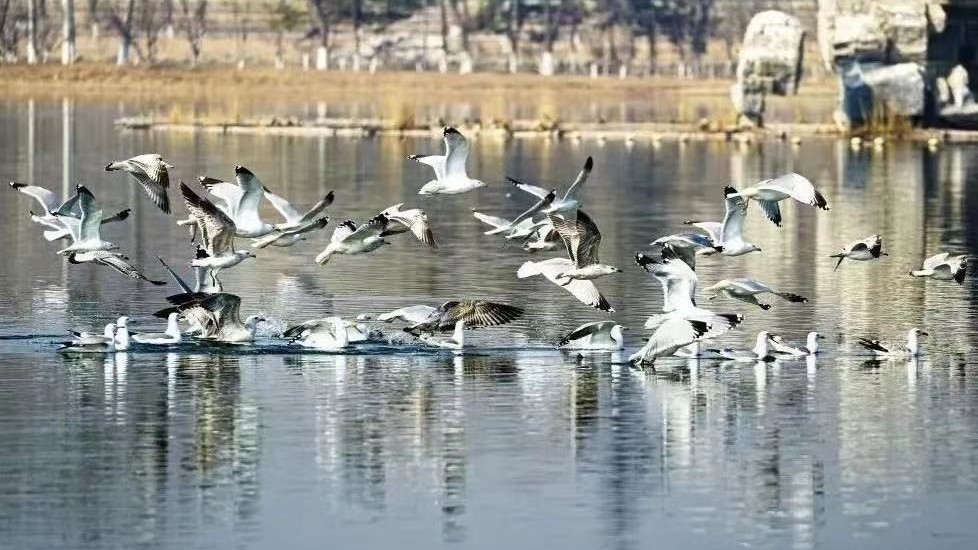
(221, 214)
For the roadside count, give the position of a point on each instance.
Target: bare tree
(514, 26)
(149, 28)
(92, 17)
(284, 18)
(68, 46)
(123, 25)
(32, 51)
(194, 23)
(323, 13)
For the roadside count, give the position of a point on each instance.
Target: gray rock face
(770, 62)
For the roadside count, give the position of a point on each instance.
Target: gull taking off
(944, 267)
(169, 337)
(84, 221)
(295, 225)
(570, 201)
(769, 192)
(780, 346)
(56, 227)
(866, 249)
(475, 314)
(217, 315)
(240, 201)
(729, 235)
(349, 238)
(330, 333)
(415, 315)
(746, 290)
(216, 232)
(600, 335)
(911, 349)
(450, 175)
(152, 173)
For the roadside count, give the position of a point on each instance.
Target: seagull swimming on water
(758, 353)
(910, 349)
(780, 346)
(350, 238)
(56, 227)
(450, 175)
(152, 173)
(600, 335)
(168, 337)
(862, 250)
(768, 193)
(746, 290)
(944, 267)
(84, 342)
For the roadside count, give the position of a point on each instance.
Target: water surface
(512, 445)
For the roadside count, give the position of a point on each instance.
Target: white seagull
(170, 336)
(499, 225)
(862, 250)
(296, 224)
(728, 235)
(746, 290)
(152, 173)
(944, 267)
(349, 238)
(240, 201)
(758, 353)
(413, 219)
(911, 349)
(84, 342)
(455, 343)
(415, 315)
(216, 232)
(450, 175)
(783, 347)
(84, 221)
(330, 333)
(56, 227)
(571, 199)
(217, 315)
(600, 335)
(768, 193)
(581, 240)
(112, 260)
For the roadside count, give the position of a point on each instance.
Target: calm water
(514, 445)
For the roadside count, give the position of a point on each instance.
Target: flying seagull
(216, 232)
(862, 250)
(84, 221)
(413, 219)
(600, 335)
(944, 267)
(911, 349)
(581, 239)
(729, 235)
(295, 225)
(152, 173)
(240, 201)
(349, 238)
(474, 313)
(570, 201)
(583, 290)
(217, 315)
(746, 290)
(112, 260)
(56, 228)
(450, 175)
(769, 192)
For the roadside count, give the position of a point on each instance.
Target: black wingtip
(728, 190)
(157, 283)
(588, 164)
(242, 171)
(17, 184)
(108, 167)
(820, 201)
(699, 327)
(450, 131)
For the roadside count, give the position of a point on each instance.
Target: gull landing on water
(944, 267)
(450, 175)
(910, 349)
(746, 290)
(152, 173)
(769, 193)
(862, 250)
(330, 333)
(217, 315)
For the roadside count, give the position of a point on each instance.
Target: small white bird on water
(351, 239)
(781, 346)
(747, 290)
(168, 337)
(910, 349)
(768, 193)
(862, 250)
(600, 335)
(85, 342)
(330, 333)
(450, 174)
(758, 353)
(152, 173)
(944, 267)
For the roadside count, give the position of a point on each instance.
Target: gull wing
(581, 179)
(538, 192)
(585, 291)
(343, 231)
(412, 314)
(176, 278)
(872, 345)
(116, 262)
(117, 217)
(477, 313)
(152, 175)
(436, 162)
(415, 220)
(456, 153)
(582, 331)
(733, 218)
(370, 228)
(283, 207)
(494, 221)
(216, 228)
(45, 197)
(581, 237)
(797, 187)
(252, 192)
(225, 195)
(936, 260)
(750, 285)
(317, 208)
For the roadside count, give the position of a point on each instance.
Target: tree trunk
(93, 17)
(68, 47)
(125, 34)
(32, 53)
(650, 37)
(322, 13)
(443, 62)
(513, 25)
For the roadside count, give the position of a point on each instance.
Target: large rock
(770, 62)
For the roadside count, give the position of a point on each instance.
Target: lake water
(513, 445)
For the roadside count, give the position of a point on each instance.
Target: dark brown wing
(477, 313)
(216, 228)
